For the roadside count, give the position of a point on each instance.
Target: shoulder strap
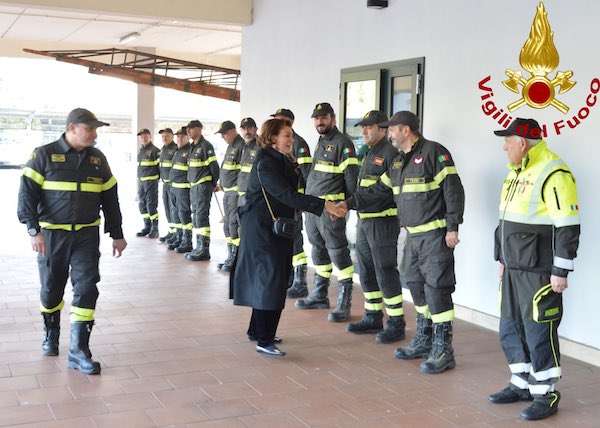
(263, 191)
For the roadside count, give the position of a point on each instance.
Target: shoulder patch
(397, 165)
(443, 158)
(378, 161)
(94, 160)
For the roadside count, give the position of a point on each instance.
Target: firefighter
(203, 175)
(165, 163)
(178, 176)
(148, 173)
(64, 186)
(230, 169)
(297, 286)
(430, 201)
(377, 239)
(332, 177)
(535, 244)
(248, 127)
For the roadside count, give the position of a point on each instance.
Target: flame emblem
(539, 57)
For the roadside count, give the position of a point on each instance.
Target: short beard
(327, 129)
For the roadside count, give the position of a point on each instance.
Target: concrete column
(144, 114)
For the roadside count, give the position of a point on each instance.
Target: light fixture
(129, 38)
(377, 4)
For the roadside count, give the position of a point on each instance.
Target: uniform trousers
(263, 326)
(79, 252)
(168, 203)
(299, 258)
(230, 220)
(329, 242)
(430, 274)
(377, 257)
(148, 198)
(181, 208)
(200, 199)
(531, 348)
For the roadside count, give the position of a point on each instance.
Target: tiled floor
(174, 353)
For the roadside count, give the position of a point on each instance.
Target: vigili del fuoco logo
(538, 88)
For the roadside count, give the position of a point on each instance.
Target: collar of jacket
(332, 133)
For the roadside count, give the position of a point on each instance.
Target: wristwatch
(33, 231)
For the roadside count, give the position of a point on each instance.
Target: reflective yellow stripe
(34, 175)
(195, 163)
(371, 295)
(299, 256)
(395, 312)
(54, 309)
(112, 181)
(92, 188)
(202, 180)
(423, 310)
(235, 242)
(180, 167)
(65, 186)
(149, 162)
(432, 225)
(366, 182)
(443, 317)
(67, 227)
(301, 190)
(231, 189)
(443, 173)
(332, 169)
(241, 193)
(81, 314)
(204, 231)
(324, 270)
(420, 187)
(346, 272)
(348, 162)
(394, 300)
(187, 226)
(246, 168)
(303, 160)
(151, 177)
(386, 180)
(166, 164)
(153, 216)
(390, 212)
(181, 185)
(336, 197)
(373, 306)
(229, 166)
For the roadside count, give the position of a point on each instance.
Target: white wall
(293, 53)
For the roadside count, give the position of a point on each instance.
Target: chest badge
(378, 161)
(418, 160)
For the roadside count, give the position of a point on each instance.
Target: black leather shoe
(508, 395)
(276, 339)
(542, 407)
(270, 350)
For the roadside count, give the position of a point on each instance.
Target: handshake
(336, 210)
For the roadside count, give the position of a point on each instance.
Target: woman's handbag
(284, 227)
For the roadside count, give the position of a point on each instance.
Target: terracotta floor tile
(274, 420)
(276, 403)
(132, 419)
(96, 389)
(147, 384)
(219, 423)
(8, 399)
(228, 408)
(182, 397)
(78, 408)
(12, 416)
(127, 402)
(420, 419)
(324, 415)
(229, 390)
(176, 415)
(44, 395)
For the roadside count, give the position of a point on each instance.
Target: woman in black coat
(264, 261)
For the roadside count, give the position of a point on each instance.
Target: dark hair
(269, 129)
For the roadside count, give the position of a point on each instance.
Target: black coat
(264, 261)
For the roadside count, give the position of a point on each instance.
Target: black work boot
(420, 345)
(202, 250)
(318, 298)
(166, 237)
(344, 302)
(186, 243)
(52, 329)
(510, 395)
(441, 357)
(299, 287)
(228, 258)
(146, 229)
(175, 241)
(80, 357)
(394, 330)
(228, 264)
(371, 322)
(542, 407)
(153, 230)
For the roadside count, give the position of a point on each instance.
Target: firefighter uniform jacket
(301, 152)
(427, 189)
(62, 189)
(334, 169)
(377, 161)
(203, 166)
(246, 161)
(230, 168)
(178, 176)
(148, 160)
(166, 160)
(539, 215)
